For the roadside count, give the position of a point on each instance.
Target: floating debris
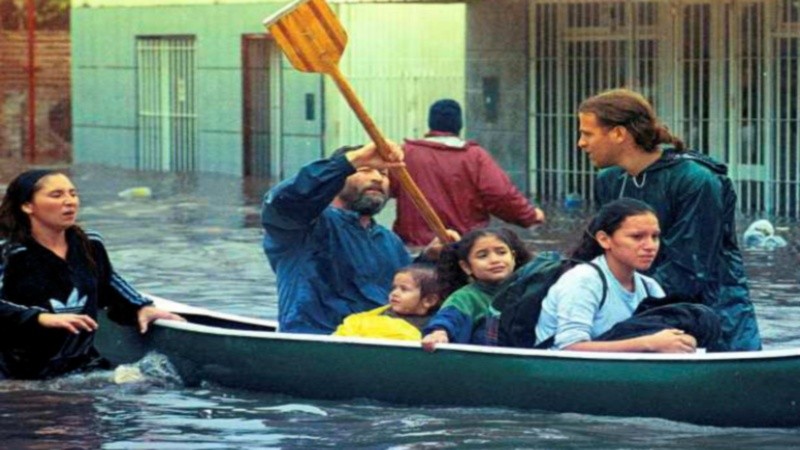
(761, 234)
(136, 192)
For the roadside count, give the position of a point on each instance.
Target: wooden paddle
(313, 40)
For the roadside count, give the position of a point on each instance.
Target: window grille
(723, 75)
(166, 134)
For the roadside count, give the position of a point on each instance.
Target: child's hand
(437, 337)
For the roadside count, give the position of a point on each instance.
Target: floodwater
(197, 240)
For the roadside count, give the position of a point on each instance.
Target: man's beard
(362, 203)
(367, 205)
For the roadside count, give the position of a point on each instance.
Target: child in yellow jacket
(414, 297)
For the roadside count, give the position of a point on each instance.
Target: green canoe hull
(754, 389)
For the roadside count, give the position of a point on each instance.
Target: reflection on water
(197, 240)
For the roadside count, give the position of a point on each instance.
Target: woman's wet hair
(608, 220)
(629, 109)
(15, 225)
(448, 269)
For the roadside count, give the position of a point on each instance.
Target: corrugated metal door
(419, 60)
(166, 134)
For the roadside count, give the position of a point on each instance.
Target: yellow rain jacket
(374, 324)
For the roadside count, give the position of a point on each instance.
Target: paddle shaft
(401, 173)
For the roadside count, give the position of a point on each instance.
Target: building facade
(723, 75)
(198, 85)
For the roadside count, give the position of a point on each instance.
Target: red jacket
(463, 184)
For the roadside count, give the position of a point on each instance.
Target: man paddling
(330, 256)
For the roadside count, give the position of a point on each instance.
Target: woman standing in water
(55, 279)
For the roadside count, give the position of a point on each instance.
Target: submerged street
(196, 239)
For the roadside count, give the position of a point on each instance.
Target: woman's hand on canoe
(665, 341)
(74, 323)
(672, 341)
(435, 337)
(150, 313)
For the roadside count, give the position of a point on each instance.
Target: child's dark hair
(608, 219)
(452, 277)
(426, 278)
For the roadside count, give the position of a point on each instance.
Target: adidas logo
(73, 305)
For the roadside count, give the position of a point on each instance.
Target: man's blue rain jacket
(328, 265)
(699, 256)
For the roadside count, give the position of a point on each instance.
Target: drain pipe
(31, 150)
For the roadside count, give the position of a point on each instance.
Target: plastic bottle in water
(136, 192)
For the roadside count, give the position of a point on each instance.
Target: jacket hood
(671, 157)
(442, 141)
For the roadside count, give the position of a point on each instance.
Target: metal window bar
(166, 129)
(724, 75)
(786, 77)
(579, 49)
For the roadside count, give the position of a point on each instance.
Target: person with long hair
(55, 279)
(692, 196)
(622, 240)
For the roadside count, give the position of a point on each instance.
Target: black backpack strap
(605, 283)
(646, 289)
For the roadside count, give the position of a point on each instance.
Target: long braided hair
(629, 109)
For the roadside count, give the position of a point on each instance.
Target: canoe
(747, 389)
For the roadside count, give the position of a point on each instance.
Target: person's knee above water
(693, 198)
(414, 298)
(622, 240)
(55, 279)
(464, 184)
(470, 271)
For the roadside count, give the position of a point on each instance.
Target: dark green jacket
(699, 256)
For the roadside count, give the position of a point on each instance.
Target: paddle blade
(309, 34)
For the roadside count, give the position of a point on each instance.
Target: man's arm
(296, 202)
(500, 196)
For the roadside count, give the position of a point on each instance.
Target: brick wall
(53, 116)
